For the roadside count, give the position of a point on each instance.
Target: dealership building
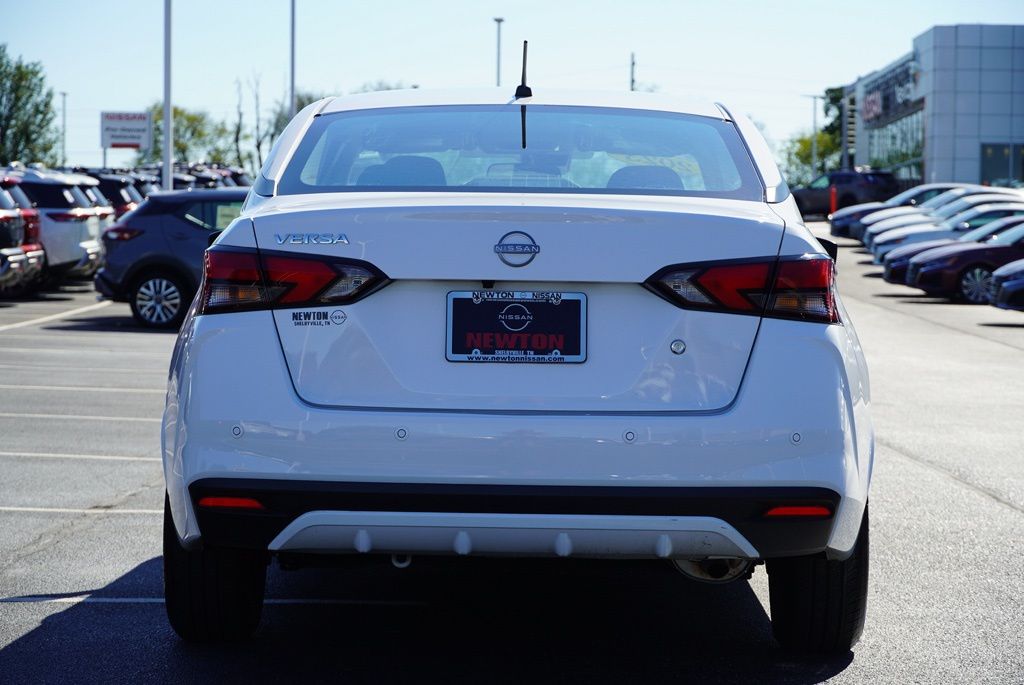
(952, 109)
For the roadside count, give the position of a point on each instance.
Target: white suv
(570, 325)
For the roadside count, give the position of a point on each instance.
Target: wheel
(211, 594)
(159, 300)
(819, 605)
(975, 283)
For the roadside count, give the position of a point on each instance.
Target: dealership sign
(891, 96)
(133, 130)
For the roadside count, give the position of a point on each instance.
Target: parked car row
(54, 222)
(961, 241)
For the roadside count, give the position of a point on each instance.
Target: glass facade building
(952, 109)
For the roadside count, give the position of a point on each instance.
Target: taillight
(230, 503)
(788, 288)
(121, 233)
(73, 215)
(812, 511)
(31, 217)
(238, 280)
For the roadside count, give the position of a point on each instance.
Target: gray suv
(154, 254)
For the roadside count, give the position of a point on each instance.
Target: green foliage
(197, 137)
(281, 115)
(26, 113)
(797, 159)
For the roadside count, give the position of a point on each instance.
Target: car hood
(949, 251)
(899, 233)
(849, 212)
(890, 212)
(916, 248)
(1011, 270)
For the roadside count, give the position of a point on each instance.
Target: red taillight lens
(31, 217)
(73, 215)
(121, 233)
(230, 503)
(235, 280)
(813, 511)
(790, 288)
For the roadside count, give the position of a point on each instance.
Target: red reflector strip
(230, 503)
(805, 510)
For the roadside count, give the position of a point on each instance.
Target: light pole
(168, 173)
(291, 87)
(814, 130)
(498, 20)
(64, 128)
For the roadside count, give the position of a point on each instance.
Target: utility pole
(64, 128)
(632, 71)
(168, 173)
(498, 20)
(814, 130)
(291, 86)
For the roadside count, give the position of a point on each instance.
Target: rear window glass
(80, 198)
(481, 148)
(20, 197)
(6, 201)
(52, 195)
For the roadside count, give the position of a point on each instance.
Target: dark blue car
(1007, 288)
(154, 254)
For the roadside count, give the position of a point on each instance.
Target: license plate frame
(516, 320)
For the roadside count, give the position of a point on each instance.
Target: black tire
(820, 605)
(974, 284)
(211, 595)
(159, 299)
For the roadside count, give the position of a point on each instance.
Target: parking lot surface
(81, 494)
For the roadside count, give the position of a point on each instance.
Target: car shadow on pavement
(1003, 325)
(438, 621)
(104, 324)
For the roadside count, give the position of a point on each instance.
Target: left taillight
(121, 233)
(241, 280)
(801, 287)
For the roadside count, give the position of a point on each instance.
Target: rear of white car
(574, 325)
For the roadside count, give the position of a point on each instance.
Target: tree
(281, 114)
(26, 112)
(798, 159)
(197, 137)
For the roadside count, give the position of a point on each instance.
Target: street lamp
(814, 131)
(168, 173)
(291, 82)
(498, 20)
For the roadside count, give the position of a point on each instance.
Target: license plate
(513, 326)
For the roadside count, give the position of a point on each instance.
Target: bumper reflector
(812, 511)
(230, 503)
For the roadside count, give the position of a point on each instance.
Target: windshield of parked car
(943, 199)
(1008, 237)
(483, 148)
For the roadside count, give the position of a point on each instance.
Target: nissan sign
(133, 130)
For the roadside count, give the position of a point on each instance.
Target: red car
(35, 256)
(964, 270)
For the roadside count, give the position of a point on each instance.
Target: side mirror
(213, 237)
(830, 247)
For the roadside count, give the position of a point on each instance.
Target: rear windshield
(483, 148)
(52, 195)
(20, 197)
(6, 201)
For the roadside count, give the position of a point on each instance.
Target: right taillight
(71, 215)
(801, 287)
(239, 279)
(119, 233)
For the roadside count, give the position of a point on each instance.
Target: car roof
(199, 193)
(542, 96)
(51, 176)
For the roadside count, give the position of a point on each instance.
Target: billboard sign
(132, 130)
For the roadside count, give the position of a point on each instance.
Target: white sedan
(587, 325)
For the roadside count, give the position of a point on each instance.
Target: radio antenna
(523, 91)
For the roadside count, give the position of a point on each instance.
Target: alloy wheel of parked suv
(158, 300)
(975, 283)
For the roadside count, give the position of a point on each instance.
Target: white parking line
(77, 388)
(78, 417)
(54, 510)
(54, 317)
(56, 455)
(78, 367)
(85, 599)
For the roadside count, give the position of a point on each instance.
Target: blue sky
(758, 57)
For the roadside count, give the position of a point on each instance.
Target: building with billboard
(952, 109)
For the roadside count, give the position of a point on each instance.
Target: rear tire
(819, 605)
(159, 299)
(211, 594)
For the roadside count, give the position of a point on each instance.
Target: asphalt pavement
(81, 393)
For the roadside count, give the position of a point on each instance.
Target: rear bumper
(109, 289)
(12, 266)
(437, 518)
(90, 261)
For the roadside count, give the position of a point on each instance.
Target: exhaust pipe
(401, 560)
(721, 570)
